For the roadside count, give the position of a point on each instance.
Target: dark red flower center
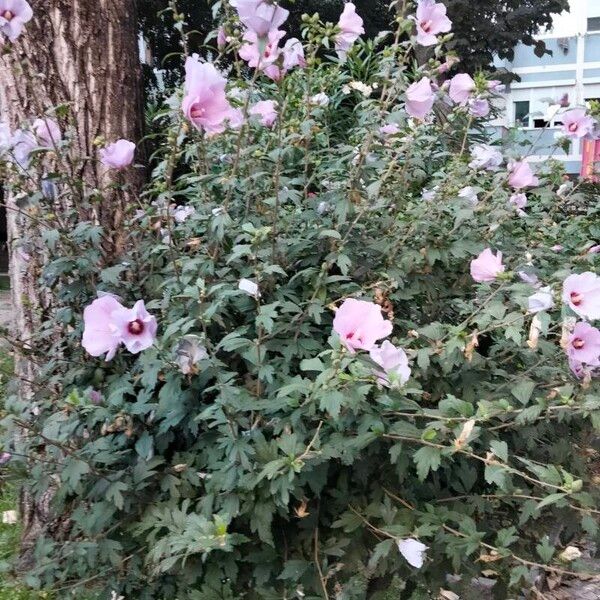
(136, 327)
(426, 26)
(573, 127)
(350, 336)
(578, 343)
(8, 15)
(576, 298)
(197, 112)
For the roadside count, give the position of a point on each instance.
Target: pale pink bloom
(431, 19)
(582, 293)
(47, 132)
(360, 324)
(594, 249)
(261, 52)
(584, 344)
(249, 287)
(107, 324)
(495, 85)
(577, 123)
(393, 361)
(221, 38)
(541, 300)
(23, 144)
(461, 88)
(99, 335)
(557, 248)
(420, 99)
(293, 54)
(389, 129)
(521, 176)
(351, 26)
(518, 200)
(118, 155)
(485, 157)
(135, 326)
(13, 16)
(478, 107)
(205, 103)
(266, 110)
(413, 551)
(260, 16)
(581, 370)
(487, 266)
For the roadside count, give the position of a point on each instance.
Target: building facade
(572, 70)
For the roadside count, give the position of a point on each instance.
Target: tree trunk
(83, 55)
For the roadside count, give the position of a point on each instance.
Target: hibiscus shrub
(360, 360)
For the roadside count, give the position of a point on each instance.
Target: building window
(540, 123)
(522, 113)
(593, 24)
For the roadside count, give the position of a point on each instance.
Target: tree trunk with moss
(76, 61)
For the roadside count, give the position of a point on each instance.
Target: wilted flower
(95, 397)
(521, 176)
(293, 54)
(485, 157)
(479, 107)
(221, 38)
(413, 551)
(577, 123)
(189, 352)
(323, 207)
(320, 99)
(260, 16)
(9, 517)
(461, 88)
(118, 155)
(487, 266)
(389, 129)
(394, 363)
(47, 132)
(518, 200)
(420, 99)
(249, 287)
(570, 553)
(583, 344)
(23, 143)
(582, 293)
(541, 300)
(360, 324)
(469, 194)
(108, 324)
(431, 19)
(595, 249)
(5, 458)
(351, 26)
(205, 103)
(529, 278)
(266, 110)
(429, 195)
(181, 213)
(13, 16)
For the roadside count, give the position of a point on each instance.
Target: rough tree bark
(83, 54)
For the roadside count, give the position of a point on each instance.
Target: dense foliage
(249, 452)
(482, 29)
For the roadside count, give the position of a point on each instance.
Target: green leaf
(500, 449)
(522, 391)
(427, 459)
